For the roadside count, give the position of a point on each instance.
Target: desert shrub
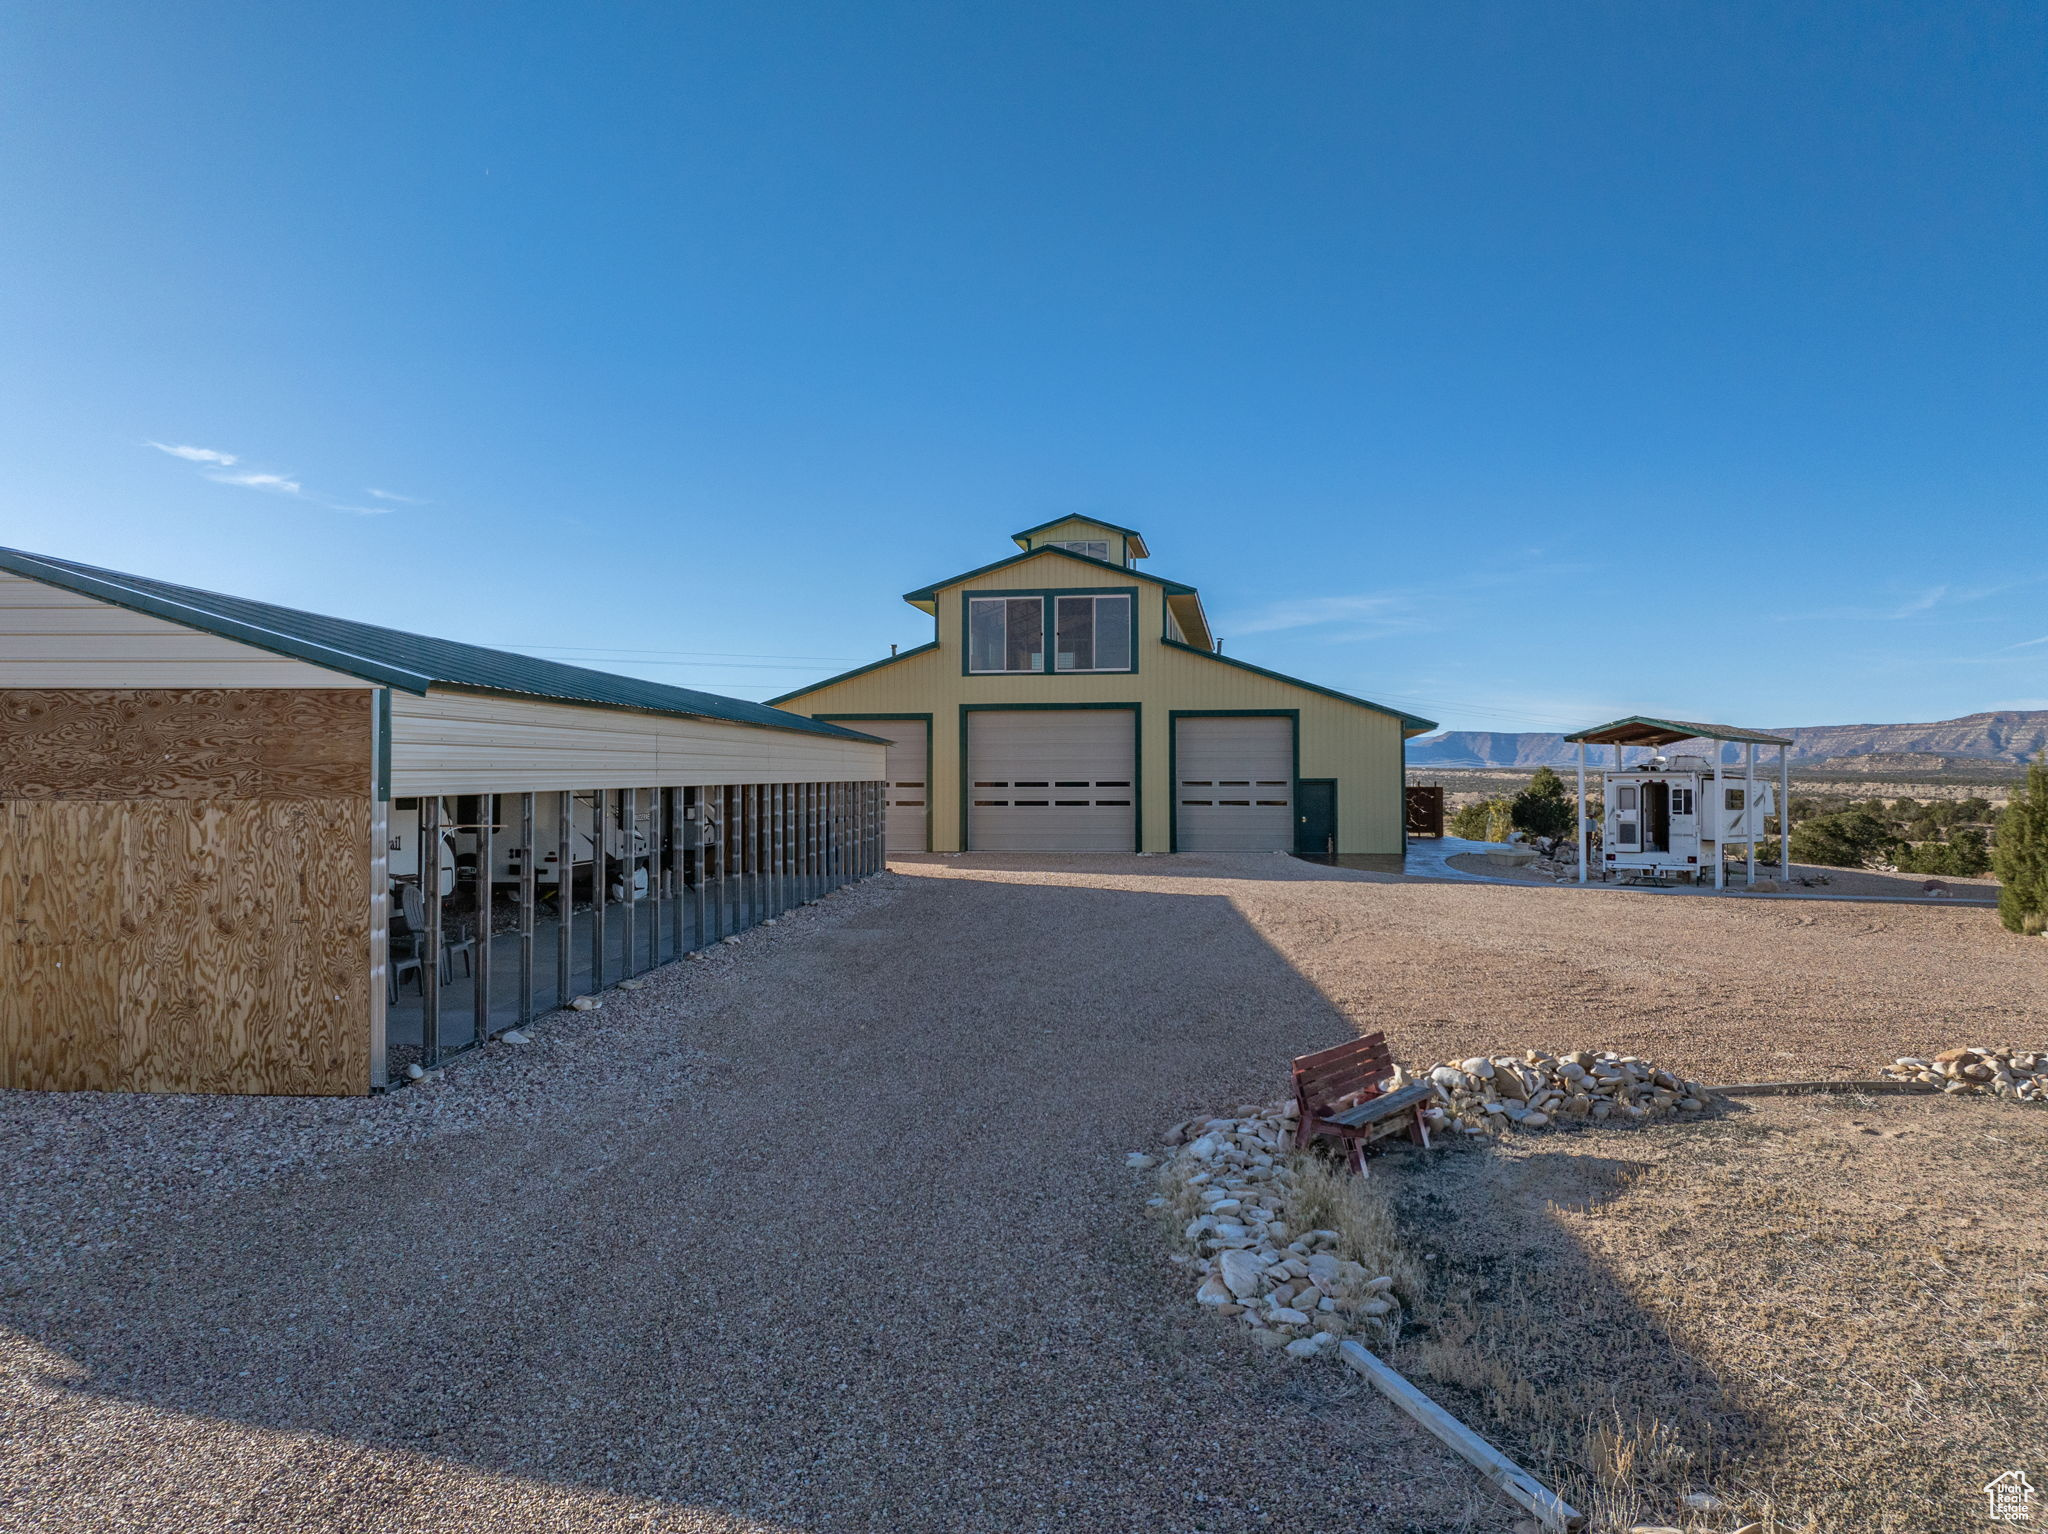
(1846, 839)
(1543, 808)
(2021, 861)
(1500, 820)
(1963, 854)
(1469, 820)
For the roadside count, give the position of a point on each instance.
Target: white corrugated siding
(470, 743)
(50, 637)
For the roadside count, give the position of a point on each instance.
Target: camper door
(1625, 818)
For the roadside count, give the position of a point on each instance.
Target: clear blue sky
(1526, 364)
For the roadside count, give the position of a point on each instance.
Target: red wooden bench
(1340, 1093)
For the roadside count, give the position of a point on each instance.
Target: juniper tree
(2021, 857)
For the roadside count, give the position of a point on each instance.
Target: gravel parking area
(831, 1230)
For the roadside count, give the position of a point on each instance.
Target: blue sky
(1522, 364)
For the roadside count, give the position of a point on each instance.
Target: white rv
(1671, 815)
(1681, 814)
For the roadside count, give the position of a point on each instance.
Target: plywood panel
(185, 945)
(50, 637)
(227, 743)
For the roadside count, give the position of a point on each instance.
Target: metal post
(1720, 817)
(1784, 814)
(600, 880)
(380, 935)
(430, 946)
(529, 895)
(629, 826)
(1583, 838)
(1751, 821)
(565, 895)
(480, 894)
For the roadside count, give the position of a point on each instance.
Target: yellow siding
(1359, 747)
(50, 637)
(470, 743)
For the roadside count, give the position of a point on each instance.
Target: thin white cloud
(194, 454)
(273, 482)
(359, 511)
(392, 495)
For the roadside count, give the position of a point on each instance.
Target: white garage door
(908, 784)
(1234, 785)
(1052, 780)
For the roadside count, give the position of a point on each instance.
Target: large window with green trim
(1092, 633)
(1066, 632)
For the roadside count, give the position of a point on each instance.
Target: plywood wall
(185, 890)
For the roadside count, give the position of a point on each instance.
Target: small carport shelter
(1728, 818)
(245, 848)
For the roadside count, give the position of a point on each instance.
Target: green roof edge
(112, 587)
(1413, 721)
(930, 593)
(873, 665)
(1695, 729)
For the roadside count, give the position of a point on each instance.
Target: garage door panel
(1234, 784)
(909, 782)
(1052, 780)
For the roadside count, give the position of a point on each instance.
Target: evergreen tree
(2021, 857)
(1543, 808)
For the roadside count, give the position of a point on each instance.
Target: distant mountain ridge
(2008, 735)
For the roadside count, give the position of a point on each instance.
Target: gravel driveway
(831, 1230)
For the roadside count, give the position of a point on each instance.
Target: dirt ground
(832, 1230)
(1827, 1311)
(1826, 881)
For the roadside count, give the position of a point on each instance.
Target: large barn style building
(251, 849)
(1071, 702)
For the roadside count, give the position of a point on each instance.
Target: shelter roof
(394, 658)
(1137, 539)
(1637, 730)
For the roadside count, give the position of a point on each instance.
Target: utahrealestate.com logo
(2011, 1497)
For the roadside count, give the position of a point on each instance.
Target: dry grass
(1831, 1313)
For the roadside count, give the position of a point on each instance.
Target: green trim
(1049, 619)
(931, 593)
(873, 665)
(382, 769)
(1173, 719)
(1137, 713)
(1336, 814)
(930, 783)
(1412, 721)
(1128, 533)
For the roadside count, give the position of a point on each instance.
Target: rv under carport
(253, 849)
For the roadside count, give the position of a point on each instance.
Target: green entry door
(1315, 815)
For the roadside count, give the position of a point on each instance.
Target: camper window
(1681, 801)
(1731, 799)
(1626, 796)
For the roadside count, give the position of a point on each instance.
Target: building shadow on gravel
(872, 1262)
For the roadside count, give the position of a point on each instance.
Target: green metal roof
(1081, 516)
(1636, 730)
(931, 593)
(394, 658)
(1411, 724)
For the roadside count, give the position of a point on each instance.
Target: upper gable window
(1092, 633)
(1096, 548)
(1006, 634)
(1088, 632)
